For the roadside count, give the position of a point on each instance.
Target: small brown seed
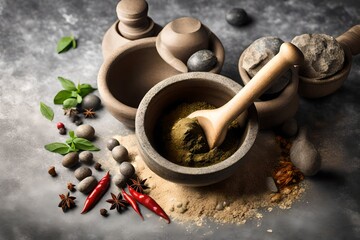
(98, 166)
(71, 187)
(52, 171)
(104, 212)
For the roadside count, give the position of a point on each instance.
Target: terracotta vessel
(127, 74)
(183, 37)
(312, 88)
(198, 86)
(133, 24)
(275, 111)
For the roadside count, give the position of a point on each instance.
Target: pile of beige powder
(243, 196)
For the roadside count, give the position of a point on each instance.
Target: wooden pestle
(351, 39)
(215, 122)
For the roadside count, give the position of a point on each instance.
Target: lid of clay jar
(183, 37)
(131, 8)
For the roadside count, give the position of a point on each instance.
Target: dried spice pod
(52, 171)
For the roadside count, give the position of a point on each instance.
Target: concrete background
(29, 66)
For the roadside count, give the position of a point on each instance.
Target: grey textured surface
(29, 66)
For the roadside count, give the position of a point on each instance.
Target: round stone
(111, 143)
(290, 127)
(120, 153)
(70, 159)
(127, 169)
(86, 157)
(260, 52)
(87, 184)
(120, 180)
(82, 172)
(237, 17)
(91, 101)
(323, 55)
(85, 131)
(201, 61)
(304, 155)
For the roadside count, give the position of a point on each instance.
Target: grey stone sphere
(86, 157)
(127, 169)
(202, 61)
(82, 172)
(87, 184)
(237, 17)
(120, 153)
(260, 52)
(91, 101)
(70, 159)
(85, 131)
(111, 143)
(120, 180)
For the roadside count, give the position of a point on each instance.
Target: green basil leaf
(46, 111)
(72, 134)
(70, 103)
(79, 99)
(85, 89)
(57, 147)
(74, 94)
(67, 84)
(62, 96)
(83, 144)
(64, 44)
(69, 141)
(74, 43)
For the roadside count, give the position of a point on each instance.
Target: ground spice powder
(241, 197)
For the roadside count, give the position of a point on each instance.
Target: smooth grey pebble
(87, 184)
(91, 101)
(86, 157)
(127, 169)
(85, 131)
(82, 172)
(202, 61)
(120, 153)
(120, 180)
(111, 143)
(70, 159)
(237, 17)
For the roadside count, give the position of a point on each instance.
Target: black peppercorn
(237, 17)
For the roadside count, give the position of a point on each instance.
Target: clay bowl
(183, 37)
(275, 111)
(315, 88)
(197, 86)
(127, 74)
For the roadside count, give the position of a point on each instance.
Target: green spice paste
(184, 142)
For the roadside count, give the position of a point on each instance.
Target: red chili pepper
(132, 202)
(149, 203)
(97, 193)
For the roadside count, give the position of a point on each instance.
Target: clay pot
(183, 37)
(275, 111)
(127, 74)
(313, 88)
(197, 86)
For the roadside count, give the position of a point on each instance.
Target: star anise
(89, 113)
(138, 184)
(70, 112)
(117, 202)
(67, 202)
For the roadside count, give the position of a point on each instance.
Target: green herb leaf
(79, 99)
(65, 43)
(69, 141)
(70, 103)
(72, 134)
(84, 89)
(57, 147)
(74, 43)
(67, 84)
(83, 144)
(46, 111)
(62, 96)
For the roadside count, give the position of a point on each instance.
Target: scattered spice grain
(52, 171)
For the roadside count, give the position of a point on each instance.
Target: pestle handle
(351, 39)
(288, 56)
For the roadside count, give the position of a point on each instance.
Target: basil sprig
(73, 144)
(46, 111)
(72, 95)
(65, 43)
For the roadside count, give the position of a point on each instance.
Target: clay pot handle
(351, 39)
